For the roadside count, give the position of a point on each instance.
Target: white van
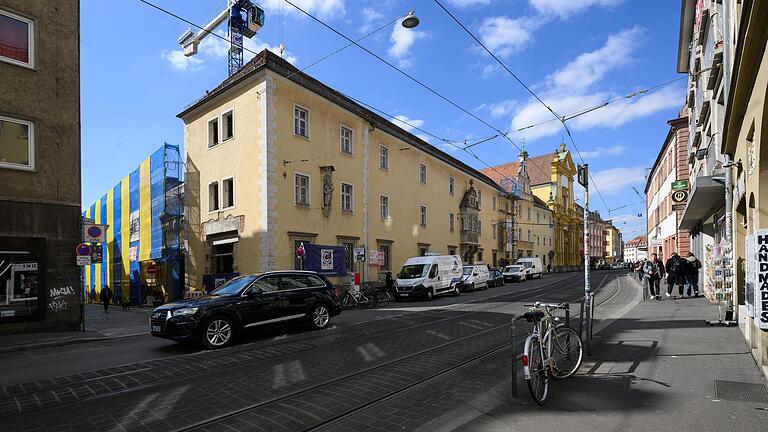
(532, 266)
(428, 276)
(475, 277)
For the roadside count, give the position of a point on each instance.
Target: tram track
(48, 397)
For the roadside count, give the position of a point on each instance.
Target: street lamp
(411, 20)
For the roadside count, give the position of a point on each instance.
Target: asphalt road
(280, 378)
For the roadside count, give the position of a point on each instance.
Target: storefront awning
(707, 196)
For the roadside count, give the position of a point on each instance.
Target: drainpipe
(364, 264)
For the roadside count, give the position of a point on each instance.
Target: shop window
(17, 39)
(21, 292)
(17, 143)
(223, 258)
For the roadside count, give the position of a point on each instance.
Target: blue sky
(573, 53)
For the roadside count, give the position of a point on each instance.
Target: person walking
(639, 268)
(105, 296)
(652, 272)
(692, 266)
(675, 269)
(389, 283)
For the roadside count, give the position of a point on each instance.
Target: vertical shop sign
(751, 275)
(761, 287)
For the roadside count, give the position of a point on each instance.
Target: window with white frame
(345, 139)
(451, 185)
(384, 157)
(228, 125)
(423, 216)
(301, 121)
(383, 207)
(213, 132)
(347, 193)
(301, 189)
(17, 144)
(17, 39)
(213, 196)
(228, 193)
(451, 218)
(422, 174)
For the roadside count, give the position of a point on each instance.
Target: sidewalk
(656, 367)
(99, 326)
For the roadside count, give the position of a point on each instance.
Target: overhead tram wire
(559, 117)
(409, 76)
(353, 42)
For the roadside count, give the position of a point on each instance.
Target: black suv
(247, 301)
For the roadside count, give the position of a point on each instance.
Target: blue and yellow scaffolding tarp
(141, 212)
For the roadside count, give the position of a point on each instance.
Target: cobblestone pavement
(281, 385)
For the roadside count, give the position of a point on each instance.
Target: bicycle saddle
(533, 315)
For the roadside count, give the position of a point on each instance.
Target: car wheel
(319, 316)
(456, 290)
(472, 287)
(430, 294)
(218, 332)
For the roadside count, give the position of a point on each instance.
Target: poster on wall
(134, 227)
(761, 283)
(326, 260)
(750, 278)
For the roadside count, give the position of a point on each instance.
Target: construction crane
(244, 19)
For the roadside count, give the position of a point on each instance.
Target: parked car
(495, 278)
(428, 276)
(514, 273)
(475, 277)
(247, 301)
(532, 266)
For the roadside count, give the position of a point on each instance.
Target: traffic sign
(300, 251)
(359, 253)
(83, 260)
(679, 196)
(83, 249)
(94, 233)
(680, 184)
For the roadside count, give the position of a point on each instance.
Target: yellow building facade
(545, 209)
(275, 159)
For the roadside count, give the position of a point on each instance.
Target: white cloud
(468, 3)
(590, 67)
(406, 123)
(614, 180)
(180, 62)
(501, 109)
(624, 111)
(506, 36)
(370, 15)
(323, 9)
(566, 8)
(604, 151)
(402, 42)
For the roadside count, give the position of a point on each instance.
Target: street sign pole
(583, 177)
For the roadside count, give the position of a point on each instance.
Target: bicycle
(383, 297)
(356, 298)
(556, 354)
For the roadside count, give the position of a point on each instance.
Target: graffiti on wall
(57, 301)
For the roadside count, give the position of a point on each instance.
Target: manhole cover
(741, 391)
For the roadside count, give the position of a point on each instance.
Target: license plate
(155, 328)
(403, 295)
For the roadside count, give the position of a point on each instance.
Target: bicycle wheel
(567, 350)
(369, 300)
(537, 379)
(383, 298)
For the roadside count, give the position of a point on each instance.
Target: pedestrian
(653, 271)
(639, 265)
(389, 283)
(105, 297)
(675, 268)
(549, 268)
(692, 266)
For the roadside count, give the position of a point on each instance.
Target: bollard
(512, 331)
